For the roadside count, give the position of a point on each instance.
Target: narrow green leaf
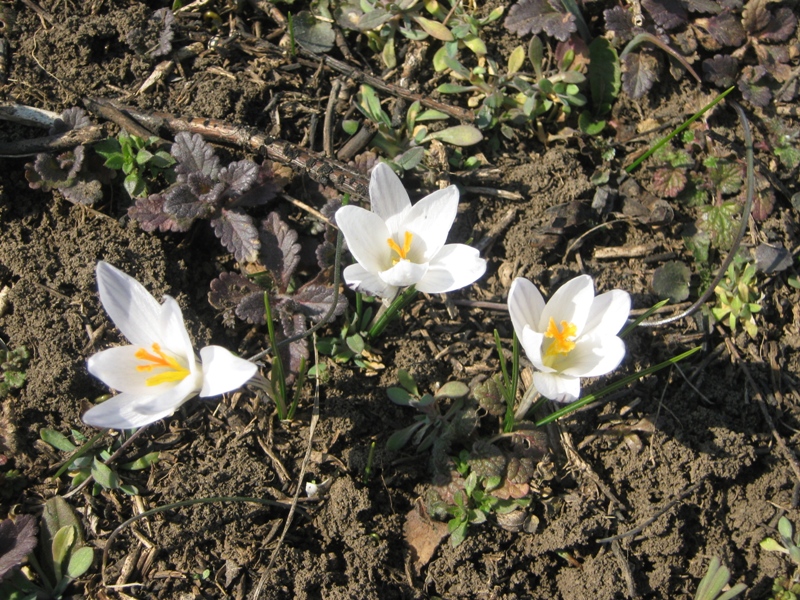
(142, 462)
(435, 29)
(104, 475)
(453, 389)
(61, 544)
(399, 396)
(516, 59)
(56, 439)
(460, 135)
(80, 562)
(407, 381)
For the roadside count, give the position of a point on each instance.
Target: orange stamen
(401, 252)
(560, 344)
(160, 360)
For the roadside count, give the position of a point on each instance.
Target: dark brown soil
(685, 459)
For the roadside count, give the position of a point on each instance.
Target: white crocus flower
(159, 371)
(397, 245)
(574, 335)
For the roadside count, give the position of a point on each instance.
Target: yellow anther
(160, 360)
(401, 252)
(560, 344)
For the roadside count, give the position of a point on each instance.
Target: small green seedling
(785, 588)
(12, 368)
(431, 424)
(475, 503)
(85, 462)
(352, 343)
(405, 145)
(738, 297)
(136, 158)
(63, 556)
(715, 580)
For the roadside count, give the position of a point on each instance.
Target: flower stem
(383, 318)
(277, 376)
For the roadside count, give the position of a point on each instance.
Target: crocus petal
(116, 367)
(123, 411)
(132, 308)
(404, 273)
(531, 342)
(388, 198)
(174, 336)
(431, 219)
(454, 267)
(525, 305)
(555, 386)
(361, 280)
(594, 356)
(366, 235)
(570, 303)
(172, 397)
(608, 313)
(223, 372)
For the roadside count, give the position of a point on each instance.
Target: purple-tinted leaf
(272, 178)
(734, 5)
(251, 308)
(781, 26)
(726, 29)
(84, 191)
(280, 252)
(326, 255)
(668, 14)
(149, 212)
(535, 16)
(620, 22)
(686, 42)
(640, 72)
(314, 301)
(181, 203)
(194, 155)
(669, 182)
(72, 118)
(753, 86)
(756, 16)
(165, 18)
(72, 161)
(237, 233)
(232, 293)
(721, 70)
(239, 176)
(49, 170)
(204, 188)
(17, 540)
(227, 293)
(763, 204)
(703, 6)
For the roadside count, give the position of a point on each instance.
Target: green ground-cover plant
(13, 365)
(139, 160)
(455, 26)
(404, 146)
(63, 554)
(510, 96)
(785, 588)
(86, 461)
